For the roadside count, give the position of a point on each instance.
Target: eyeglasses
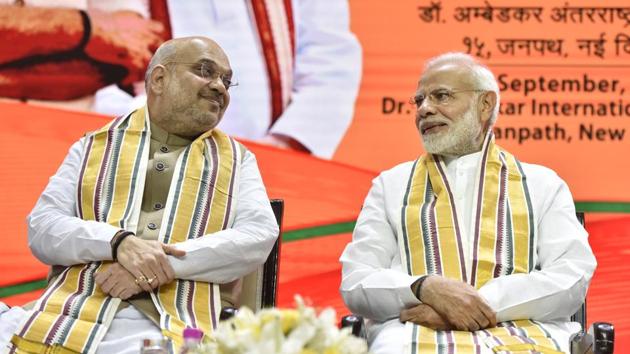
(207, 72)
(439, 96)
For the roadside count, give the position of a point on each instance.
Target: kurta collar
(162, 136)
(464, 160)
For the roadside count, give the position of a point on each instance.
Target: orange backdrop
(591, 40)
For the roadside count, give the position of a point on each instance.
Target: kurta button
(157, 206)
(151, 226)
(164, 149)
(160, 166)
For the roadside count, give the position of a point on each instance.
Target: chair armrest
(600, 339)
(356, 323)
(581, 343)
(603, 337)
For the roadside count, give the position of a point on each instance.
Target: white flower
(291, 331)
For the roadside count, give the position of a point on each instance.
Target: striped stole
(503, 243)
(73, 315)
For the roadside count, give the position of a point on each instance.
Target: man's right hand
(425, 316)
(147, 260)
(116, 281)
(459, 303)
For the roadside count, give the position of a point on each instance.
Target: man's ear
(488, 101)
(157, 79)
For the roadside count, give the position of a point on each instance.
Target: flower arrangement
(288, 331)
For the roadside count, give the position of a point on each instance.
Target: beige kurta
(163, 153)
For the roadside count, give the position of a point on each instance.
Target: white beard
(459, 139)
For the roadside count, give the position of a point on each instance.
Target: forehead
(198, 51)
(448, 75)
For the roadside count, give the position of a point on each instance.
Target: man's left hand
(116, 281)
(426, 316)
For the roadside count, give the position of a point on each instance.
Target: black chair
(259, 288)
(599, 339)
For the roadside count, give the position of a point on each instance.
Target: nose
(425, 109)
(216, 84)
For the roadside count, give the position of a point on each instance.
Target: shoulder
(540, 176)
(79, 144)
(546, 188)
(394, 179)
(398, 171)
(246, 158)
(240, 148)
(232, 146)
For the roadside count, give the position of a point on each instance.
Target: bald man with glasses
(150, 222)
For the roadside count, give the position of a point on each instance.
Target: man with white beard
(466, 248)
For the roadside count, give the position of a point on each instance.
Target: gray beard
(187, 120)
(460, 139)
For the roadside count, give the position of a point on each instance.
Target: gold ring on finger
(150, 280)
(141, 278)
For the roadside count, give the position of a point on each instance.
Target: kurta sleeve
(368, 286)
(56, 235)
(326, 77)
(556, 288)
(229, 254)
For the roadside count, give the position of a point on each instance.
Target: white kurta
(326, 74)
(375, 285)
(58, 237)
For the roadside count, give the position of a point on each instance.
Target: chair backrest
(580, 315)
(259, 288)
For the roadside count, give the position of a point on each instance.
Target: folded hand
(459, 303)
(116, 281)
(147, 261)
(426, 316)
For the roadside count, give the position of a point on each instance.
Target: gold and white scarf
(504, 243)
(73, 315)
